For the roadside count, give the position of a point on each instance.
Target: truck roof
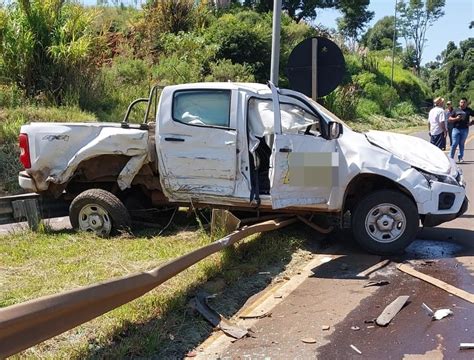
(254, 87)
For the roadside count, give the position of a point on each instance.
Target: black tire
(385, 222)
(99, 211)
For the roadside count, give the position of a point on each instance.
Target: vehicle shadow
(245, 270)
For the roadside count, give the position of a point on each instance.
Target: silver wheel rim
(385, 223)
(95, 218)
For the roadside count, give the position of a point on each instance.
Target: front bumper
(430, 220)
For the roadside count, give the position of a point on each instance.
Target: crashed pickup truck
(244, 146)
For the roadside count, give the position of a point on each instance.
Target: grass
(377, 122)
(159, 324)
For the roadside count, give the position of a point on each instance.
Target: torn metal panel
(58, 149)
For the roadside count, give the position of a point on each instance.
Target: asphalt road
(325, 309)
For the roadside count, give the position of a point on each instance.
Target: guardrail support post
(28, 209)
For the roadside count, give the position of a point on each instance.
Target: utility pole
(394, 40)
(275, 63)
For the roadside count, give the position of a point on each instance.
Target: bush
(45, 46)
(343, 102)
(384, 95)
(224, 70)
(403, 109)
(243, 42)
(366, 108)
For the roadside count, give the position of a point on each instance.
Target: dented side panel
(196, 161)
(58, 149)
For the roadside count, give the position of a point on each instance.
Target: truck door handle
(173, 139)
(285, 150)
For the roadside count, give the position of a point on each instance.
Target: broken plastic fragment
(442, 313)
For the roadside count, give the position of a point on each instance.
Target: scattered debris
(356, 350)
(223, 222)
(377, 283)
(428, 309)
(355, 328)
(191, 353)
(199, 303)
(325, 327)
(442, 313)
(436, 282)
(309, 340)
(260, 316)
(466, 346)
(373, 268)
(391, 310)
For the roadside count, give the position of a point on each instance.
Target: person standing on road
(449, 125)
(436, 126)
(461, 121)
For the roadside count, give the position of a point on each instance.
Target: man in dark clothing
(449, 125)
(461, 120)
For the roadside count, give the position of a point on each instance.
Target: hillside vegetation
(61, 61)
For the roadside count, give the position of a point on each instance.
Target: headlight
(446, 179)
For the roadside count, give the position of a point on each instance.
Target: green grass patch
(378, 122)
(158, 324)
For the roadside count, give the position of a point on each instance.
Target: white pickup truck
(247, 147)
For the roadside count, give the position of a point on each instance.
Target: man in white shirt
(436, 123)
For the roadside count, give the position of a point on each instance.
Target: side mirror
(335, 130)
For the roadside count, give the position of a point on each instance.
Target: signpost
(316, 67)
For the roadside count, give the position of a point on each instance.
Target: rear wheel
(385, 222)
(99, 211)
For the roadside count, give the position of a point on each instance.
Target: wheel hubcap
(95, 218)
(385, 223)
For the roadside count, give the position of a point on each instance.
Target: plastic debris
(356, 350)
(441, 313)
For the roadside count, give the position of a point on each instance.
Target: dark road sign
(330, 67)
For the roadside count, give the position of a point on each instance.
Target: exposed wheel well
(364, 184)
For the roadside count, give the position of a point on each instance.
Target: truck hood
(414, 151)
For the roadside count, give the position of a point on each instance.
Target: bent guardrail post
(29, 323)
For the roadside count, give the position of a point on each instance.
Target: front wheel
(99, 211)
(385, 222)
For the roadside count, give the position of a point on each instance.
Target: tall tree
(380, 36)
(354, 18)
(296, 9)
(416, 16)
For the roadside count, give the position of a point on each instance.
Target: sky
(453, 26)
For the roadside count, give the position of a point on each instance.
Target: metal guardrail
(31, 208)
(29, 323)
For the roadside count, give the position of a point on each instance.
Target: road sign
(316, 67)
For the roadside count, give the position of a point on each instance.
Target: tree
(354, 19)
(296, 9)
(416, 16)
(380, 36)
